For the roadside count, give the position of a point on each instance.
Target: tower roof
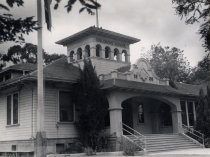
(99, 32)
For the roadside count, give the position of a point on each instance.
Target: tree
(196, 11)
(12, 29)
(203, 113)
(201, 73)
(92, 104)
(26, 54)
(169, 63)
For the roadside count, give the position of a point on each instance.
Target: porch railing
(196, 135)
(136, 136)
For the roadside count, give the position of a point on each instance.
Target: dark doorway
(127, 116)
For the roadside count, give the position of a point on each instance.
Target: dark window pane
(15, 108)
(184, 116)
(141, 113)
(9, 110)
(66, 107)
(190, 113)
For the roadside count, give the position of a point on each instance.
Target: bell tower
(107, 50)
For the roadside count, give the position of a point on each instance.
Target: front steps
(166, 142)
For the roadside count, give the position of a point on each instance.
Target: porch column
(115, 121)
(177, 121)
(187, 115)
(115, 111)
(194, 111)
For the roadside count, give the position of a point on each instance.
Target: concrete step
(171, 145)
(164, 142)
(170, 148)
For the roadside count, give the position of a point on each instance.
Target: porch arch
(116, 98)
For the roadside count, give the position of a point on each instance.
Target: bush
(102, 144)
(129, 148)
(89, 151)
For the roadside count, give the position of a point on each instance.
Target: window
(141, 113)
(66, 107)
(184, 115)
(190, 113)
(187, 112)
(12, 109)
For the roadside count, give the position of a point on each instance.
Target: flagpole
(40, 135)
(40, 84)
(97, 21)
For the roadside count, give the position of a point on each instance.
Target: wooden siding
(23, 130)
(27, 116)
(53, 128)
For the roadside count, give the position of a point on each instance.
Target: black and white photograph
(104, 78)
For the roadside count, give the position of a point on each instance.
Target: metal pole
(40, 145)
(40, 84)
(97, 21)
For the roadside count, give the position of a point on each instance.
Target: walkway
(198, 152)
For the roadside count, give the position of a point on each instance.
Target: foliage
(88, 5)
(103, 143)
(26, 54)
(169, 63)
(196, 11)
(12, 29)
(129, 148)
(92, 106)
(203, 113)
(201, 72)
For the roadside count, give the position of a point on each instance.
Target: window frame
(12, 111)
(74, 110)
(143, 114)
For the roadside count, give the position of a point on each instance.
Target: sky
(150, 21)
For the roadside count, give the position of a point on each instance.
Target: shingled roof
(97, 31)
(59, 71)
(22, 67)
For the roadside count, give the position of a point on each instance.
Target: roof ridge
(33, 72)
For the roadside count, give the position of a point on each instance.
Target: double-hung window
(66, 107)
(12, 109)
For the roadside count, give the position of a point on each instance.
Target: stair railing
(136, 134)
(196, 135)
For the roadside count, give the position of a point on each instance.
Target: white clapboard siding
(52, 127)
(23, 130)
(27, 116)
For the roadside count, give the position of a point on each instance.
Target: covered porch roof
(183, 90)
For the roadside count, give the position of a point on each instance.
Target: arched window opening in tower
(98, 50)
(116, 54)
(79, 53)
(87, 51)
(107, 52)
(71, 56)
(124, 56)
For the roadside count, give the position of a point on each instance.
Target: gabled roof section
(21, 67)
(60, 70)
(97, 31)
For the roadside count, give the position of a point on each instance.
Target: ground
(199, 152)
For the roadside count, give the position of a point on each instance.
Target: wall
(23, 130)
(53, 128)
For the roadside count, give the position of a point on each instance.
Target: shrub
(129, 148)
